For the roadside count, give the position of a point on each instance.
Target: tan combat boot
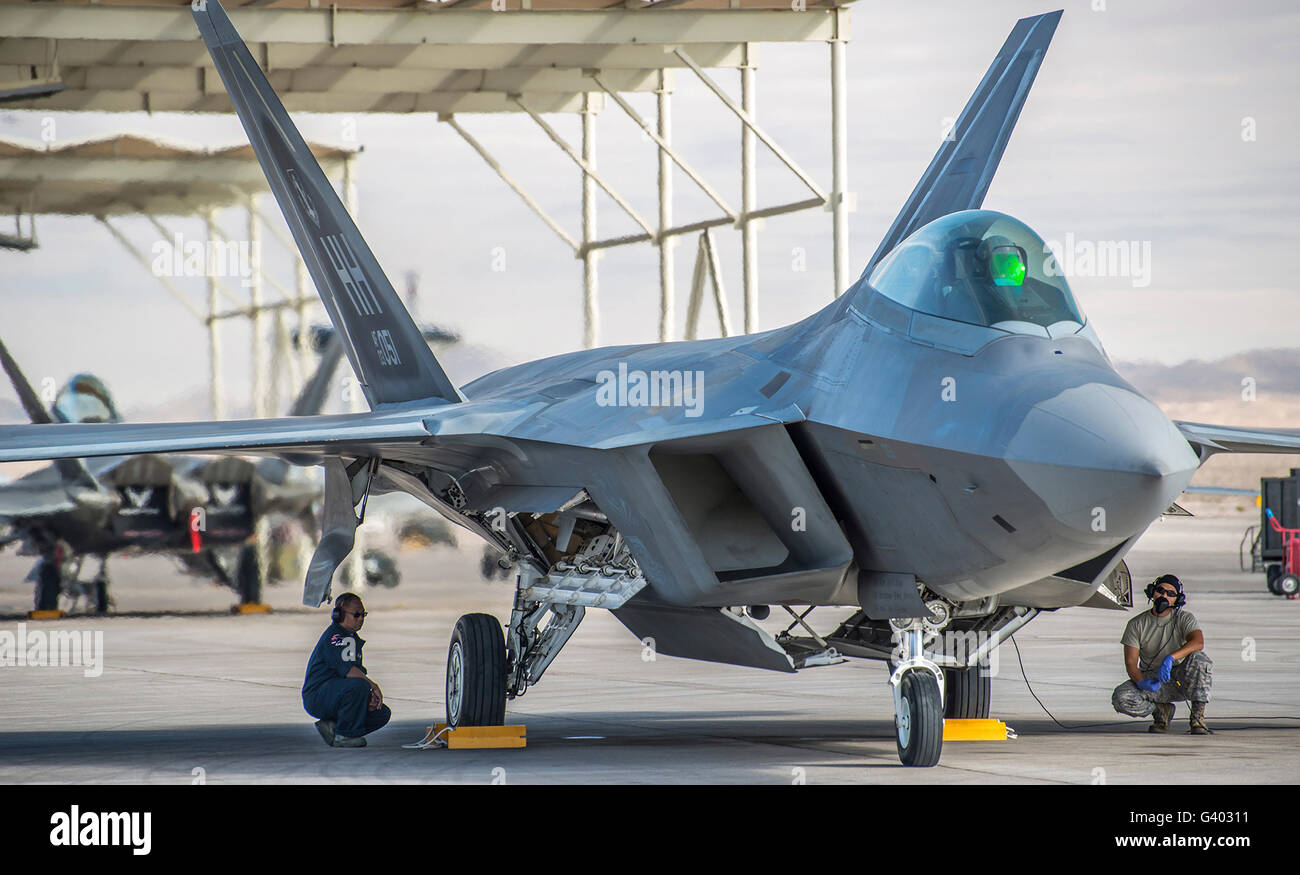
(1196, 720)
(1161, 717)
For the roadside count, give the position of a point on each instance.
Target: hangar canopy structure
(459, 57)
(127, 175)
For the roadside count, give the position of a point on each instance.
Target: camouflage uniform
(1189, 681)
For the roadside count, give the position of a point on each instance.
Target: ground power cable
(1125, 722)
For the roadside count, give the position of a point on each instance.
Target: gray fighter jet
(945, 448)
(203, 511)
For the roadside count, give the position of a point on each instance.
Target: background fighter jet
(201, 510)
(956, 388)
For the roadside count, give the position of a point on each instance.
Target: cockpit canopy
(982, 268)
(85, 398)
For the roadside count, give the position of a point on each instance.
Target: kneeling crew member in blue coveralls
(1164, 654)
(349, 704)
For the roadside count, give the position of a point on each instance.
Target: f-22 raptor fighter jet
(946, 447)
(202, 511)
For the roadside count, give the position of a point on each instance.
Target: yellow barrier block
(45, 615)
(251, 608)
(974, 730)
(483, 737)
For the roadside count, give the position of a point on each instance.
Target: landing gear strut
(484, 669)
(917, 685)
(100, 587)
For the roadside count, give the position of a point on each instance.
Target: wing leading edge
(339, 434)
(1211, 439)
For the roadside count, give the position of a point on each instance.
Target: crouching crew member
(1164, 653)
(336, 690)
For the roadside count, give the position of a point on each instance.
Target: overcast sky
(1133, 132)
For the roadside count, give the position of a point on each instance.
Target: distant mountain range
(1274, 371)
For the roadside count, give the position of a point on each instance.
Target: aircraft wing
(1211, 439)
(959, 176)
(339, 434)
(17, 504)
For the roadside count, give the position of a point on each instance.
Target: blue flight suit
(328, 694)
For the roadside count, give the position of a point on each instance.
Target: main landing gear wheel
(918, 723)
(967, 693)
(248, 575)
(49, 581)
(476, 672)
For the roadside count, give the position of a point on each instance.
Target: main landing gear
(484, 670)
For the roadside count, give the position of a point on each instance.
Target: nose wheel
(918, 700)
(918, 719)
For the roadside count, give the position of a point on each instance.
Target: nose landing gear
(917, 684)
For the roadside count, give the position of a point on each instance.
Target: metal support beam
(748, 193)
(588, 168)
(302, 282)
(707, 268)
(590, 313)
(839, 155)
(399, 28)
(216, 389)
(663, 137)
(509, 180)
(209, 266)
(749, 122)
(140, 256)
(665, 148)
(276, 284)
(257, 329)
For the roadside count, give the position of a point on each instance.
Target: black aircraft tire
(1272, 573)
(248, 575)
(476, 672)
(49, 582)
(967, 694)
(1288, 584)
(920, 742)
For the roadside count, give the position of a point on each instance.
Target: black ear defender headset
(337, 614)
(1172, 581)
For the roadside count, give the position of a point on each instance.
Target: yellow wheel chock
(470, 737)
(985, 729)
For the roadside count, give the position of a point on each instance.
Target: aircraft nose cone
(1104, 459)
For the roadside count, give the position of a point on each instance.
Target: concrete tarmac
(189, 692)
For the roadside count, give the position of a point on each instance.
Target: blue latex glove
(1149, 685)
(1165, 668)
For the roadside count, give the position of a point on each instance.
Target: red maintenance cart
(1287, 583)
